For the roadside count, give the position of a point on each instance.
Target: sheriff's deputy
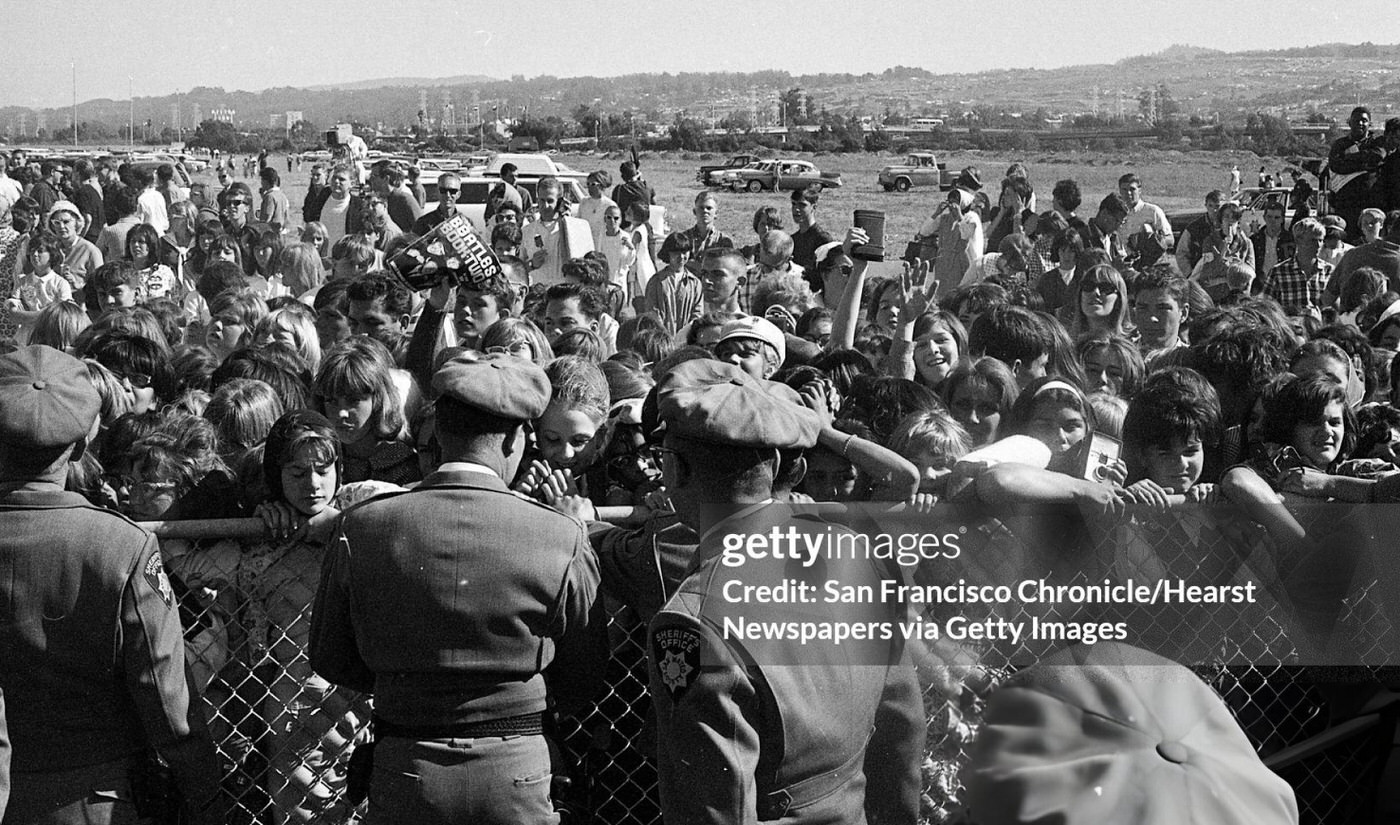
(755, 730)
(448, 601)
(92, 661)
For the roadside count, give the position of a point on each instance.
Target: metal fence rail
(285, 735)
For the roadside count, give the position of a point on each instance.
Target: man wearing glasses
(238, 209)
(449, 186)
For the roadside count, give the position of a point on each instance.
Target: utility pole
(74, 66)
(131, 116)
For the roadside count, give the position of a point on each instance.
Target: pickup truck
(776, 175)
(710, 175)
(918, 169)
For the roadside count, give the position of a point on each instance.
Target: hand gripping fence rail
(1303, 664)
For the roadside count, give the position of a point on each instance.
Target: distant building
(222, 114)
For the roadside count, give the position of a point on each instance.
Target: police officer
(91, 652)
(752, 730)
(448, 601)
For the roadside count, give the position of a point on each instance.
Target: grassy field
(1173, 180)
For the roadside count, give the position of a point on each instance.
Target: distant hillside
(1178, 51)
(1322, 80)
(389, 82)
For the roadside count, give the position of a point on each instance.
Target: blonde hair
(301, 268)
(301, 323)
(930, 431)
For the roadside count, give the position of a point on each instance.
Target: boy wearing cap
(1333, 247)
(751, 729)
(91, 687)
(499, 585)
(754, 345)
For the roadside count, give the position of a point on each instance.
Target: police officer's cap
(503, 385)
(707, 400)
(47, 399)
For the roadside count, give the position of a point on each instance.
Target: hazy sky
(255, 44)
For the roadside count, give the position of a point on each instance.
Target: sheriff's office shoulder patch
(158, 580)
(676, 654)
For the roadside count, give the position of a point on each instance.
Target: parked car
(918, 169)
(713, 174)
(778, 175)
(439, 165)
(531, 165)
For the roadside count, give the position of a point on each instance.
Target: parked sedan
(779, 175)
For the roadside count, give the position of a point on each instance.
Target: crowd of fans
(249, 367)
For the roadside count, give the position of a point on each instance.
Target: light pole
(480, 125)
(74, 66)
(131, 116)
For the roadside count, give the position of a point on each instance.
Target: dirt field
(1172, 180)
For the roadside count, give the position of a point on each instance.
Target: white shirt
(10, 190)
(1144, 214)
(150, 208)
(591, 210)
(333, 216)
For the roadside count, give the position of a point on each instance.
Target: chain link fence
(285, 735)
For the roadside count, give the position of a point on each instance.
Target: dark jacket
(499, 585)
(834, 739)
(93, 662)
